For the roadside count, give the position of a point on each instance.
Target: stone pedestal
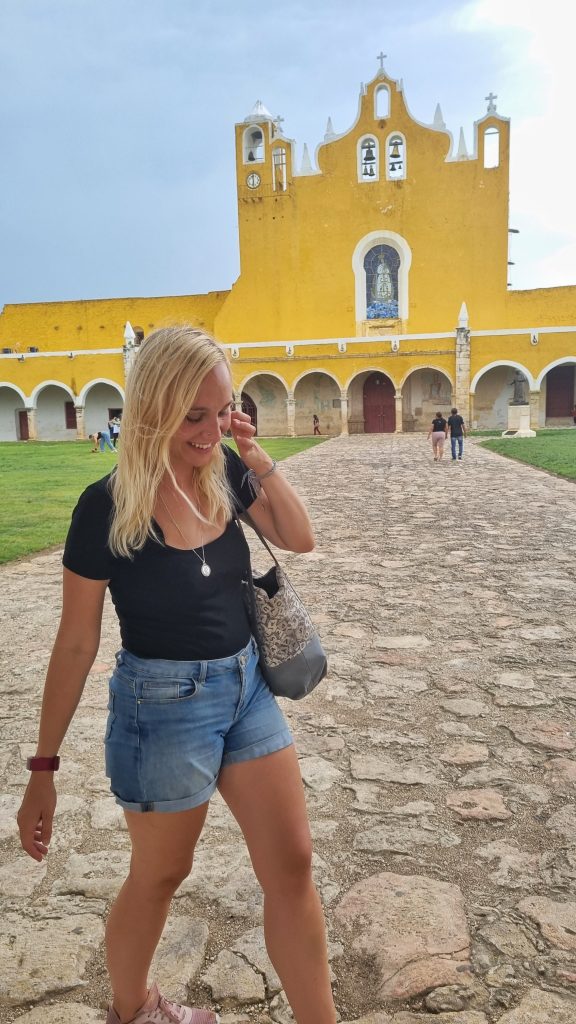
(519, 422)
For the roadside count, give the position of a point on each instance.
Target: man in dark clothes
(457, 434)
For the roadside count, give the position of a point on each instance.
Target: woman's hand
(36, 815)
(249, 450)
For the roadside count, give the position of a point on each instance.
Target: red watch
(43, 764)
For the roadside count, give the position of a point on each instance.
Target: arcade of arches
(371, 402)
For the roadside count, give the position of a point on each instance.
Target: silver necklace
(205, 568)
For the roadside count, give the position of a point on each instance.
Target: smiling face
(193, 443)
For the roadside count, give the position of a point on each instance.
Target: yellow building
(373, 291)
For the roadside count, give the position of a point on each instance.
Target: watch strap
(43, 764)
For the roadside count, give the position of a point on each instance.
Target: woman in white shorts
(437, 432)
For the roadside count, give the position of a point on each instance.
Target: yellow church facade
(373, 292)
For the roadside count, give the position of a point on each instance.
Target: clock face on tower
(253, 180)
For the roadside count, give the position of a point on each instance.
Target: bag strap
(256, 529)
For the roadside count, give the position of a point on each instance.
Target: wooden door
(560, 391)
(379, 405)
(23, 434)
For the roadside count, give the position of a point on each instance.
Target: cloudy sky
(116, 124)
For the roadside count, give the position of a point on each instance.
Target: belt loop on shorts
(202, 672)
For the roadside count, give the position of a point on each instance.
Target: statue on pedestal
(518, 382)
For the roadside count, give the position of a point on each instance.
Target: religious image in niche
(381, 267)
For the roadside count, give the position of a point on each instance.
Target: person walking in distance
(189, 710)
(438, 431)
(316, 424)
(457, 430)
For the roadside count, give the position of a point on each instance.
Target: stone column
(32, 431)
(535, 410)
(344, 413)
(462, 383)
(291, 414)
(238, 400)
(80, 425)
(472, 425)
(398, 404)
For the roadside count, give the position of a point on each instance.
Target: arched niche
(368, 159)
(396, 157)
(269, 395)
(54, 402)
(317, 394)
(493, 391)
(102, 399)
(371, 403)
(491, 148)
(253, 144)
(374, 242)
(13, 420)
(425, 391)
(381, 102)
(558, 391)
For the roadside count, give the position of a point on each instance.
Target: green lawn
(40, 482)
(552, 450)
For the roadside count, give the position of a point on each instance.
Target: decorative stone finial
(438, 121)
(306, 167)
(259, 113)
(491, 105)
(462, 151)
(329, 133)
(129, 336)
(463, 320)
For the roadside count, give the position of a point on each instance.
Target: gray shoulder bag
(292, 659)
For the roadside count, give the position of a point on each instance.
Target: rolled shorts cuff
(186, 803)
(270, 745)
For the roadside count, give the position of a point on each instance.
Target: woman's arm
(278, 511)
(72, 657)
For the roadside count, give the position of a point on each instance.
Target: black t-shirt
(455, 423)
(439, 423)
(165, 606)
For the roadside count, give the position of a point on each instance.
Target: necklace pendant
(205, 569)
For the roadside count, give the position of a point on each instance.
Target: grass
(41, 482)
(552, 450)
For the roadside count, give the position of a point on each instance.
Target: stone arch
(368, 242)
(425, 391)
(269, 394)
(12, 408)
(98, 380)
(317, 393)
(491, 388)
(368, 158)
(100, 399)
(49, 400)
(557, 384)
(365, 414)
(46, 384)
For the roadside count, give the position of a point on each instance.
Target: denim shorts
(172, 725)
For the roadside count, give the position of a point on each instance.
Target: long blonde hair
(168, 370)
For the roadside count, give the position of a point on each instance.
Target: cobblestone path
(438, 758)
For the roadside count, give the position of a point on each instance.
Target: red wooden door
(23, 434)
(560, 391)
(379, 405)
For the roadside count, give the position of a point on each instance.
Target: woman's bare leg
(266, 796)
(162, 852)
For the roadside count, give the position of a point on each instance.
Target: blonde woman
(189, 710)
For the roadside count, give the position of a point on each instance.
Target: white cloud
(536, 45)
